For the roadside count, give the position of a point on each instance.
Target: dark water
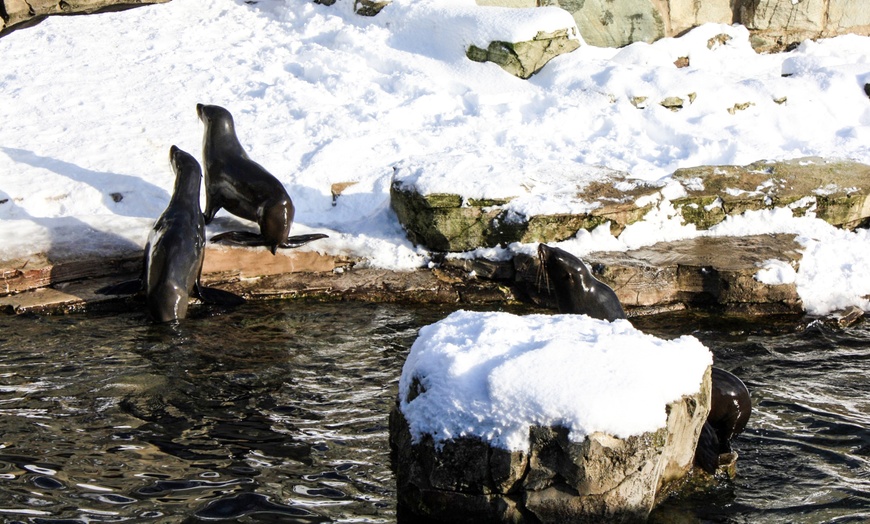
(277, 412)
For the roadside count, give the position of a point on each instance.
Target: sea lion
(243, 187)
(175, 250)
(576, 290)
(730, 407)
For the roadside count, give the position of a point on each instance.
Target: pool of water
(277, 412)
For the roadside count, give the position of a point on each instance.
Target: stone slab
(698, 273)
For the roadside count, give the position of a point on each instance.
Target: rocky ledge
(719, 273)
(584, 197)
(17, 14)
(697, 273)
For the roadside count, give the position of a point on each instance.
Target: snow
(322, 96)
(492, 375)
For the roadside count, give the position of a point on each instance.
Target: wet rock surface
(704, 272)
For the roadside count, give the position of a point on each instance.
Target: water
(277, 412)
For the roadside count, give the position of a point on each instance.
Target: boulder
(836, 191)
(555, 480)
(605, 23)
(774, 24)
(523, 59)
(549, 203)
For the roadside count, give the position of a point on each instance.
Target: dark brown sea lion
(730, 407)
(577, 291)
(175, 251)
(243, 187)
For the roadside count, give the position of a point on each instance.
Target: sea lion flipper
(707, 452)
(129, 287)
(301, 240)
(215, 296)
(247, 238)
(242, 238)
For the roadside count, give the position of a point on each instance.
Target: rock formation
(15, 14)
(554, 480)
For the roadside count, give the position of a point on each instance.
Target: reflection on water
(277, 412)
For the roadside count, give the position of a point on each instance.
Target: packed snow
(493, 375)
(322, 96)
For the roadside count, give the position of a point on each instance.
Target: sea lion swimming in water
(730, 407)
(175, 251)
(243, 187)
(577, 291)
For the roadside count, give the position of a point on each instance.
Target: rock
(773, 24)
(555, 480)
(523, 59)
(367, 7)
(674, 103)
(835, 190)
(701, 272)
(20, 13)
(590, 196)
(605, 23)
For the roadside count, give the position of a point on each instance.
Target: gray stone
(605, 23)
(773, 24)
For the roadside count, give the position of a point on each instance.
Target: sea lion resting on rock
(175, 251)
(577, 291)
(243, 187)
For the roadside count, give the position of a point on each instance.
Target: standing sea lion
(577, 291)
(243, 187)
(175, 251)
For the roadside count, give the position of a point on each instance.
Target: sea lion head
(218, 121)
(188, 174)
(275, 220)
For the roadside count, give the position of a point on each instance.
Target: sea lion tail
(301, 240)
(218, 297)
